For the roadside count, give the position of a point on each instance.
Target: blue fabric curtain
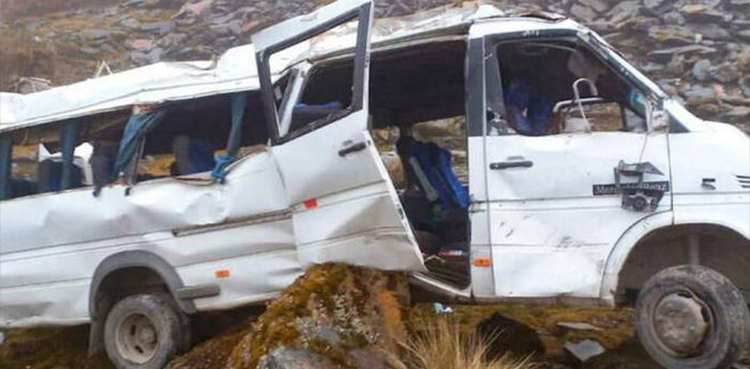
(239, 102)
(6, 152)
(135, 130)
(68, 136)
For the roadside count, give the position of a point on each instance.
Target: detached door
(345, 208)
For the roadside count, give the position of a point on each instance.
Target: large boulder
(334, 316)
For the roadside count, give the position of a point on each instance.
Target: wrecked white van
(586, 183)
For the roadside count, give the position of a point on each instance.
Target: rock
(642, 24)
(223, 19)
(199, 10)
(504, 334)
(584, 350)
(711, 31)
(651, 67)
(739, 111)
(689, 49)
(623, 11)
(283, 358)
(234, 27)
(726, 73)
(95, 34)
(336, 312)
(699, 94)
(671, 34)
(600, 6)
(702, 13)
(652, 4)
(701, 70)
(130, 22)
(161, 27)
(155, 55)
(745, 85)
(139, 58)
(674, 18)
(583, 13)
(141, 3)
(676, 65)
(368, 358)
(141, 44)
(735, 100)
(707, 110)
(89, 50)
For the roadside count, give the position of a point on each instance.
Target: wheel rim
(137, 338)
(682, 322)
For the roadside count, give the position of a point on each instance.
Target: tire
(692, 317)
(145, 332)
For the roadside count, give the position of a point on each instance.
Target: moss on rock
(331, 311)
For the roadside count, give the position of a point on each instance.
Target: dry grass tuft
(439, 343)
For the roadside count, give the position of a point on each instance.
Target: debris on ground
(584, 350)
(578, 326)
(505, 335)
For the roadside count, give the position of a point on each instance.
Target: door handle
(511, 164)
(359, 146)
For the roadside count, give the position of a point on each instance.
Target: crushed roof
(234, 71)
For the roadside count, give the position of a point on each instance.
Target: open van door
(345, 208)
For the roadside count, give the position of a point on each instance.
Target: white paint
(550, 235)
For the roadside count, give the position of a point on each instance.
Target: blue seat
(429, 167)
(193, 155)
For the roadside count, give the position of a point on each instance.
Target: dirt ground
(65, 348)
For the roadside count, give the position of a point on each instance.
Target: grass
(440, 343)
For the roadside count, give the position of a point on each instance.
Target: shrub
(439, 343)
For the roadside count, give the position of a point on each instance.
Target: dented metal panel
(196, 228)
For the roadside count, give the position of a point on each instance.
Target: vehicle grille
(744, 181)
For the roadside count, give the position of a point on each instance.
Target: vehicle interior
(193, 133)
(187, 139)
(546, 103)
(417, 108)
(36, 160)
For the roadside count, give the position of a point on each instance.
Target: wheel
(145, 332)
(692, 317)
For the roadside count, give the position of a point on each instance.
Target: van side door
(345, 208)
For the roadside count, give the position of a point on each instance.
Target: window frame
(272, 41)
(584, 39)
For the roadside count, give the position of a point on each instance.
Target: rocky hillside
(697, 49)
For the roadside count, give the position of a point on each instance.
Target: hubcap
(137, 338)
(681, 322)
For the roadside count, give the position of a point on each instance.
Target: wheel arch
(135, 260)
(658, 227)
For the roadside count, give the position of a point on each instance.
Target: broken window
(558, 86)
(19, 167)
(42, 159)
(300, 106)
(195, 136)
